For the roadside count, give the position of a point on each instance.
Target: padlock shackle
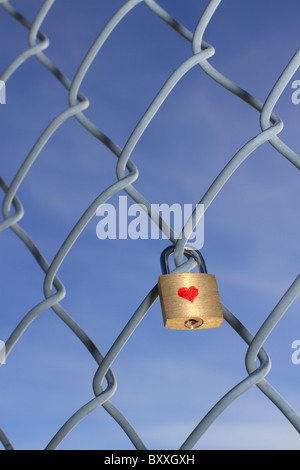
(164, 259)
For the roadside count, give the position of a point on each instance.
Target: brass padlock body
(182, 309)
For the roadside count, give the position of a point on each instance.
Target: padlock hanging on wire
(189, 301)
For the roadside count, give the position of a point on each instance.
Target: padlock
(189, 301)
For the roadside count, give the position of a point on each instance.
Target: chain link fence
(257, 360)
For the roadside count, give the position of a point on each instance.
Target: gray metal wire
(127, 174)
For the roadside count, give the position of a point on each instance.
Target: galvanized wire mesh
(127, 173)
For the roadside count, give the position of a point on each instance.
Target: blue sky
(167, 380)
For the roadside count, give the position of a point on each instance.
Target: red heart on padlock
(188, 293)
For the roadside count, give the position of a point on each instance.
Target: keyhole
(193, 323)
